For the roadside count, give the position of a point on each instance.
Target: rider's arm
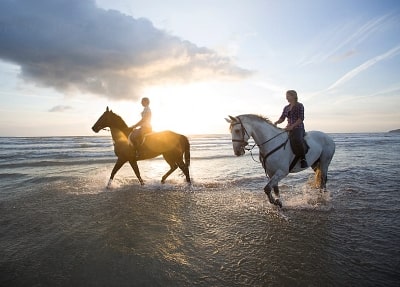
(296, 123)
(279, 121)
(146, 115)
(282, 118)
(139, 123)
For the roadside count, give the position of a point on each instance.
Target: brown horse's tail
(186, 146)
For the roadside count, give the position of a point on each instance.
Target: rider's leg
(297, 143)
(136, 142)
(139, 139)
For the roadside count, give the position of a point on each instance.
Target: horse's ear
(234, 119)
(107, 109)
(231, 119)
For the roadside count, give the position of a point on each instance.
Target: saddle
(135, 138)
(306, 146)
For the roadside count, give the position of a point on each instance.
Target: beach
(60, 226)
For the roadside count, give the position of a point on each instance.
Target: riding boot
(297, 143)
(136, 152)
(303, 163)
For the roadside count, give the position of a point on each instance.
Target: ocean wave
(11, 175)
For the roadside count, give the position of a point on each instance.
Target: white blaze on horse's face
(239, 135)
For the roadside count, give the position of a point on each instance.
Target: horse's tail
(186, 149)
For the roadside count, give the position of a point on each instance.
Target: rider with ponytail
(144, 124)
(294, 112)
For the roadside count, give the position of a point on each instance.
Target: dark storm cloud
(72, 45)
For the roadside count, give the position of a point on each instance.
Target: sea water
(60, 226)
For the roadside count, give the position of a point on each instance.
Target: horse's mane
(119, 120)
(260, 118)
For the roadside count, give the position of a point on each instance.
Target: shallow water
(59, 226)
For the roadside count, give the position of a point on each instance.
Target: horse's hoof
(278, 202)
(163, 181)
(109, 184)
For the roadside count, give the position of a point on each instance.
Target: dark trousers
(297, 142)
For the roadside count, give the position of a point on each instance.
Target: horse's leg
(273, 183)
(120, 162)
(135, 168)
(170, 158)
(185, 170)
(322, 169)
(276, 190)
(320, 175)
(173, 167)
(323, 178)
(272, 200)
(277, 200)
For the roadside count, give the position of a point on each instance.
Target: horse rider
(294, 112)
(144, 124)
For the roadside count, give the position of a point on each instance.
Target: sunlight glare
(187, 109)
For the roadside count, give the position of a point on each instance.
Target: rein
(245, 143)
(272, 138)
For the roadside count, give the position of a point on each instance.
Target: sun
(188, 109)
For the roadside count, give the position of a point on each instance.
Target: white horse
(276, 154)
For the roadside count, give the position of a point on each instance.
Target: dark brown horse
(175, 148)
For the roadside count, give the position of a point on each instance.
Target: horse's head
(111, 120)
(240, 135)
(102, 122)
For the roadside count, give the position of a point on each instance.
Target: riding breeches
(297, 142)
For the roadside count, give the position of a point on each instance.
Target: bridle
(245, 143)
(107, 129)
(244, 131)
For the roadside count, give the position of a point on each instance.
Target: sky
(62, 62)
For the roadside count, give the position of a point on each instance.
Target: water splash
(304, 197)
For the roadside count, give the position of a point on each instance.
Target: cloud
(60, 108)
(74, 46)
(341, 41)
(351, 74)
(344, 56)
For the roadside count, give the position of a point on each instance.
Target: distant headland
(395, 131)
